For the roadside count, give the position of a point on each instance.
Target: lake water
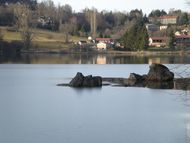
(34, 110)
(94, 59)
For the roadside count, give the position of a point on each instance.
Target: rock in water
(86, 81)
(159, 72)
(97, 81)
(77, 81)
(90, 81)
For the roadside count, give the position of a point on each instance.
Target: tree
(91, 16)
(144, 38)
(49, 11)
(6, 16)
(183, 19)
(136, 38)
(136, 15)
(157, 13)
(171, 42)
(65, 28)
(22, 13)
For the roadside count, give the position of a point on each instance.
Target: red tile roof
(182, 36)
(159, 38)
(104, 39)
(168, 17)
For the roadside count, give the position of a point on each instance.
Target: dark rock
(97, 81)
(159, 72)
(86, 81)
(77, 81)
(90, 81)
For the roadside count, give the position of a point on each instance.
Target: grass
(41, 38)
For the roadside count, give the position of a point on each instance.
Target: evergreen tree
(143, 45)
(171, 42)
(136, 38)
(183, 19)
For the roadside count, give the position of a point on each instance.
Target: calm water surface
(34, 110)
(94, 59)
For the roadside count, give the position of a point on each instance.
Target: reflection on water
(94, 59)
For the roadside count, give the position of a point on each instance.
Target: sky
(126, 5)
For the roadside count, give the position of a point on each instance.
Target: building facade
(158, 41)
(165, 20)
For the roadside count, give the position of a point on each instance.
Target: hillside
(41, 38)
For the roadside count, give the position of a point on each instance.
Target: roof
(182, 36)
(159, 38)
(168, 17)
(104, 39)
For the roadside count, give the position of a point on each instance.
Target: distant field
(41, 38)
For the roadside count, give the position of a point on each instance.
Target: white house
(101, 46)
(165, 20)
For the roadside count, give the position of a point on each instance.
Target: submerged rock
(86, 81)
(160, 85)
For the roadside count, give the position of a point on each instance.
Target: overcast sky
(126, 5)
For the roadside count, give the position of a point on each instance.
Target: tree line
(56, 16)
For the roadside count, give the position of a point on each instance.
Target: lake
(34, 110)
(94, 59)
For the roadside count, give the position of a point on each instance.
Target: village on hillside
(43, 24)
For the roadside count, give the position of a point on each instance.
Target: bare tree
(23, 16)
(65, 28)
(47, 8)
(91, 16)
(67, 23)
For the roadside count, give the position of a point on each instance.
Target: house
(158, 41)
(165, 20)
(101, 46)
(182, 40)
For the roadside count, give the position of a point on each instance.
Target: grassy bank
(41, 38)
